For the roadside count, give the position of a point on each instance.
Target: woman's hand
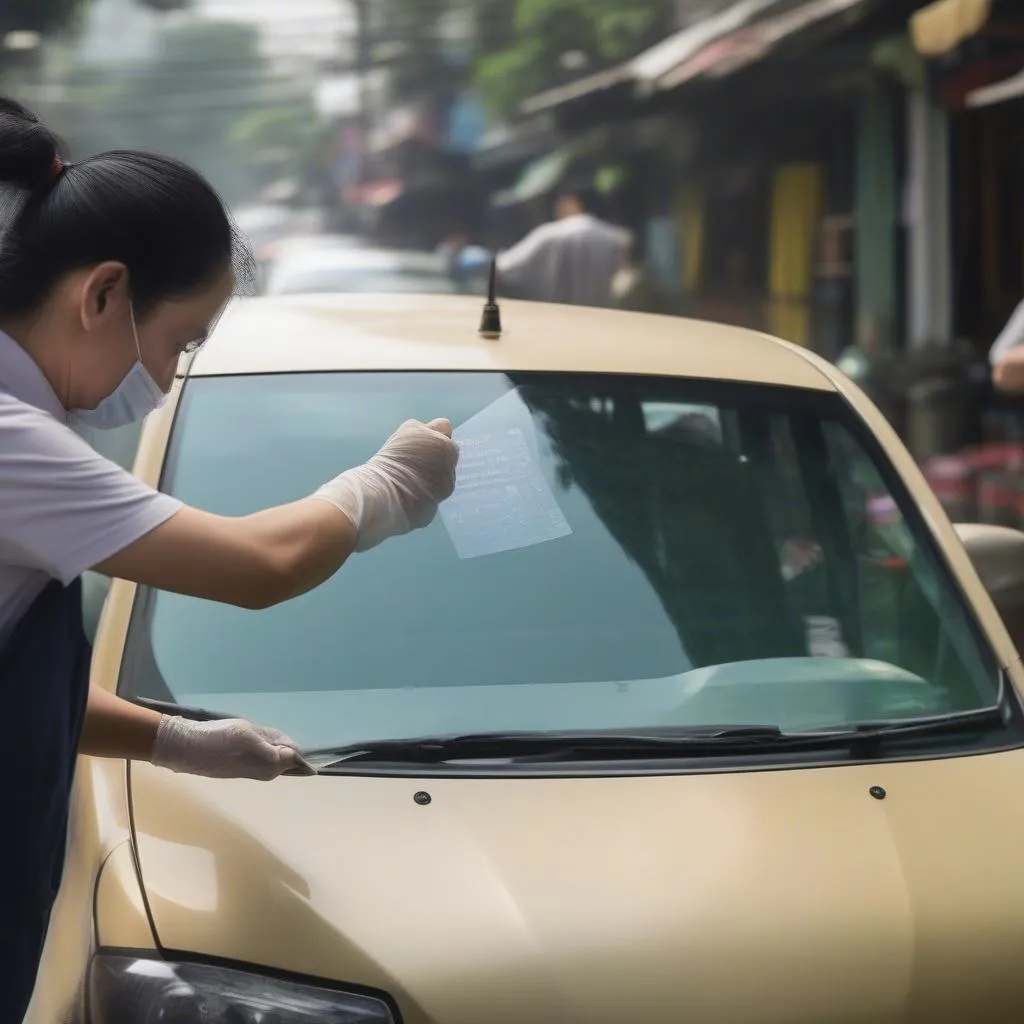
(399, 489)
(229, 749)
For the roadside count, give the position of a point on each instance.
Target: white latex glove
(399, 489)
(228, 749)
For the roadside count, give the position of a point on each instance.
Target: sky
(291, 26)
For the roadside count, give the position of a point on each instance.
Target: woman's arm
(222, 749)
(262, 559)
(252, 561)
(1008, 372)
(117, 728)
(1009, 338)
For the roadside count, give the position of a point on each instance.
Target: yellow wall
(688, 214)
(796, 205)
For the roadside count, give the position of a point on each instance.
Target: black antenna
(490, 325)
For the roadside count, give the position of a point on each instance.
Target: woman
(110, 270)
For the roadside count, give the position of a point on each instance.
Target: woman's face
(106, 349)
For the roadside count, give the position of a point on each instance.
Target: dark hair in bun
(154, 214)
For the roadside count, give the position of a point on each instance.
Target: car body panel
(517, 899)
(365, 332)
(122, 917)
(604, 899)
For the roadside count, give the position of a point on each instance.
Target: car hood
(777, 897)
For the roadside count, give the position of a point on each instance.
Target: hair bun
(28, 149)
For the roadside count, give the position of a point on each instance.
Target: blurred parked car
(327, 268)
(690, 705)
(262, 224)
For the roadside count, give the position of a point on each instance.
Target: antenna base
(490, 324)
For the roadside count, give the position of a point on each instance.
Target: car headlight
(130, 990)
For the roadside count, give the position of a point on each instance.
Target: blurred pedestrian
(633, 286)
(452, 245)
(1006, 356)
(572, 259)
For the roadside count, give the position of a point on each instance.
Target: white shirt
(570, 261)
(1012, 335)
(63, 507)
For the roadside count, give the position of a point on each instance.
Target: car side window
(119, 446)
(900, 596)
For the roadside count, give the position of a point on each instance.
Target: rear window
(623, 552)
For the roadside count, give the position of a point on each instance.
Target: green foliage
(206, 97)
(165, 5)
(204, 77)
(410, 33)
(543, 31)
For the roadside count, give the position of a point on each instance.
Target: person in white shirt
(110, 270)
(572, 260)
(1006, 357)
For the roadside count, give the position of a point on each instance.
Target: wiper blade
(548, 747)
(937, 725)
(951, 723)
(560, 746)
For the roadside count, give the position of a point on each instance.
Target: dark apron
(44, 685)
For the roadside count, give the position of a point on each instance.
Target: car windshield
(621, 553)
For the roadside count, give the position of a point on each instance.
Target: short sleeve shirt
(1012, 335)
(63, 507)
(571, 261)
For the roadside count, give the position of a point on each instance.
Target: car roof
(317, 333)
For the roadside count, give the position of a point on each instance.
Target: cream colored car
(691, 706)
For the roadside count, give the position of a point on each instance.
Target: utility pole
(363, 62)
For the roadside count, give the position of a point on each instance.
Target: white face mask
(132, 400)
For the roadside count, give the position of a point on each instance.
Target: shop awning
(538, 178)
(713, 47)
(505, 144)
(655, 61)
(942, 26)
(754, 42)
(1009, 89)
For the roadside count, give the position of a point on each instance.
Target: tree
(279, 142)
(43, 16)
(165, 5)
(204, 77)
(598, 33)
(206, 96)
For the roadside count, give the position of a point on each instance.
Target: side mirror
(998, 556)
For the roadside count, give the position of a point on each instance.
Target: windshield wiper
(951, 723)
(546, 747)
(708, 741)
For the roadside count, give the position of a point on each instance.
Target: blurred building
(832, 171)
